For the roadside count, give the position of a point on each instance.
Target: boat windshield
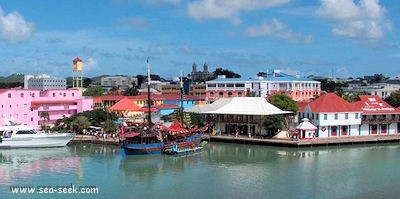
(6, 134)
(20, 132)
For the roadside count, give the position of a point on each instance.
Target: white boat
(23, 136)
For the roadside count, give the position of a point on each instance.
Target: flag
(147, 60)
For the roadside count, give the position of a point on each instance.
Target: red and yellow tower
(77, 74)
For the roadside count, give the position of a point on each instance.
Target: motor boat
(24, 136)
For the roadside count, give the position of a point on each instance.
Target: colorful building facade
(164, 103)
(335, 117)
(299, 89)
(27, 106)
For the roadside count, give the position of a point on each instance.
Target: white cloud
(90, 64)
(14, 28)
(277, 29)
(365, 20)
(223, 9)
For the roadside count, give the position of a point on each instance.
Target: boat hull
(45, 140)
(143, 149)
(187, 151)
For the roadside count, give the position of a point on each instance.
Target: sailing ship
(185, 141)
(146, 139)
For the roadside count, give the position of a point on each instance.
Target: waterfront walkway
(95, 140)
(288, 142)
(285, 142)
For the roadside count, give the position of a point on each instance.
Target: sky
(341, 38)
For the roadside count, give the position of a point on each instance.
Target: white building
(333, 116)
(383, 90)
(44, 82)
(378, 117)
(122, 82)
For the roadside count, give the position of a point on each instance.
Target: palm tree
(45, 117)
(80, 123)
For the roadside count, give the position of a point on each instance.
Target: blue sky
(346, 38)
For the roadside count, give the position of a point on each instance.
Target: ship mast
(148, 92)
(181, 99)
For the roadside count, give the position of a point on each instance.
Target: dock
(95, 140)
(283, 142)
(288, 142)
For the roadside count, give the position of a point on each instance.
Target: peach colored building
(27, 105)
(299, 89)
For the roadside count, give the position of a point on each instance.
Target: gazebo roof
(306, 125)
(238, 106)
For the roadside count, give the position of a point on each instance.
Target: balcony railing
(383, 119)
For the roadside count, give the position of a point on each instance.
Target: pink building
(26, 105)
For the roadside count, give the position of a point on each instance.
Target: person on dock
(237, 133)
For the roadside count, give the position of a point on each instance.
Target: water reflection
(146, 168)
(28, 163)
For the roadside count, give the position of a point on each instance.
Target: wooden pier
(94, 140)
(284, 142)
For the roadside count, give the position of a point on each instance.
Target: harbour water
(220, 171)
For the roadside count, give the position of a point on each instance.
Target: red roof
(331, 103)
(176, 127)
(125, 104)
(302, 105)
(373, 104)
(77, 59)
(146, 109)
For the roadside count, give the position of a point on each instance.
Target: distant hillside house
(383, 90)
(299, 89)
(122, 82)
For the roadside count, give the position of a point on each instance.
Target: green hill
(12, 78)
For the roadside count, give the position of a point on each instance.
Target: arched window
(221, 94)
(229, 94)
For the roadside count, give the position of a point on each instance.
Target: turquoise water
(220, 171)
